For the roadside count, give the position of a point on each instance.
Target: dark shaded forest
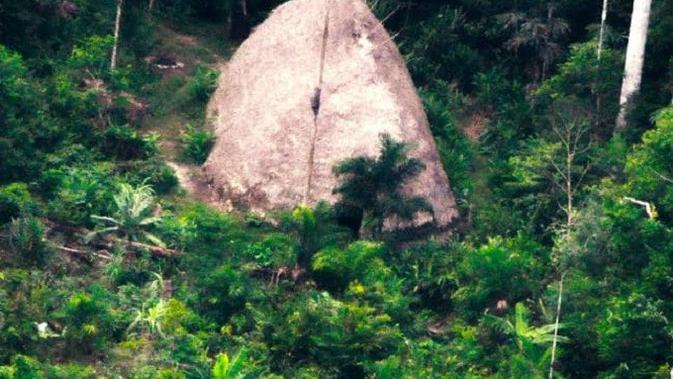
(560, 265)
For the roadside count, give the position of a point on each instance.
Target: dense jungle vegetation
(562, 257)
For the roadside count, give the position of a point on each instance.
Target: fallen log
(82, 252)
(138, 246)
(108, 242)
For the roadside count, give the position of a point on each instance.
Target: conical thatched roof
(273, 151)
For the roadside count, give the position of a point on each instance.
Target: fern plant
(196, 144)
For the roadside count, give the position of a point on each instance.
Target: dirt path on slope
(170, 115)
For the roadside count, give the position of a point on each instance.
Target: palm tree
(538, 34)
(133, 216)
(374, 185)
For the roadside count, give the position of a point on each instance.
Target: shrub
(154, 172)
(317, 328)
(312, 229)
(585, 76)
(634, 318)
(196, 144)
(125, 143)
(26, 236)
(435, 49)
(26, 367)
(202, 84)
(89, 320)
(14, 201)
(82, 191)
(223, 292)
(334, 268)
(426, 358)
(275, 250)
(19, 159)
(500, 270)
(429, 272)
(510, 113)
(203, 229)
(91, 55)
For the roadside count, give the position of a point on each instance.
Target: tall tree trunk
(151, 6)
(556, 325)
(115, 48)
(601, 37)
(635, 57)
(546, 59)
(601, 34)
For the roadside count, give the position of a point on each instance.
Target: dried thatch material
(314, 84)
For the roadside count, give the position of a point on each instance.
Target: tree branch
(649, 208)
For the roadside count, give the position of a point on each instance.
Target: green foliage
(428, 271)
(504, 100)
(15, 200)
(312, 230)
(154, 172)
(422, 309)
(19, 126)
(649, 168)
(548, 175)
(534, 342)
(26, 237)
(26, 367)
(629, 318)
(423, 358)
(79, 192)
(454, 148)
(274, 250)
(236, 368)
(500, 270)
(335, 268)
(203, 229)
(133, 216)
(203, 84)
(196, 144)
(435, 50)
(321, 329)
(92, 55)
(374, 186)
(223, 293)
(15, 88)
(88, 321)
(125, 143)
(584, 76)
